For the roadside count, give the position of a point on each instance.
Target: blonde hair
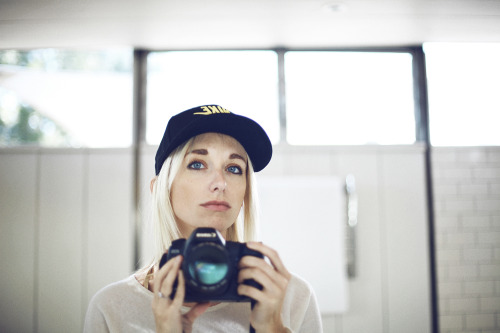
(165, 228)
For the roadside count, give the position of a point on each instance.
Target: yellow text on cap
(211, 109)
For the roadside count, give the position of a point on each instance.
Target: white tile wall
(65, 232)
(467, 202)
(68, 213)
(18, 242)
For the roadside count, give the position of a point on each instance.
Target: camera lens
(208, 272)
(208, 264)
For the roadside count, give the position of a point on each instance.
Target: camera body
(210, 266)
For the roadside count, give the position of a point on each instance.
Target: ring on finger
(161, 295)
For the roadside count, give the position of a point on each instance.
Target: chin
(220, 228)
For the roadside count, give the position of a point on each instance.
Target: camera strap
(148, 277)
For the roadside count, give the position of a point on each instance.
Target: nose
(218, 182)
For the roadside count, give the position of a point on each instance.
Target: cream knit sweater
(125, 306)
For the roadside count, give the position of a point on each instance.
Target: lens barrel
(207, 268)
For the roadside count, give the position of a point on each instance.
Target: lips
(218, 206)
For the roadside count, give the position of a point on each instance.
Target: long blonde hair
(165, 228)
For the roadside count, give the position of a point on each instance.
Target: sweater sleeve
(123, 306)
(300, 309)
(94, 319)
(312, 318)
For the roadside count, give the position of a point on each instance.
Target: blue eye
(196, 165)
(235, 169)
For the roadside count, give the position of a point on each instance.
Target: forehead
(218, 141)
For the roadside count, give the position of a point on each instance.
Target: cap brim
(247, 132)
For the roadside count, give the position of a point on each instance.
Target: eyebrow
(205, 152)
(237, 156)
(198, 152)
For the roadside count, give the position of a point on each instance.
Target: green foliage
(22, 132)
(30, 127)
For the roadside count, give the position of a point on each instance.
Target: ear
(152, 183)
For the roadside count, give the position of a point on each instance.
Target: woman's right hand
(167, 311)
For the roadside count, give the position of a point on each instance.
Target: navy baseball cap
(216, 119)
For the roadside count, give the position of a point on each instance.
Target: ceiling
(219, 24)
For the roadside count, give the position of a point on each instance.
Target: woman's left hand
(274, 278)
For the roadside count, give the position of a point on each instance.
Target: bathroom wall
(67, 224)
(467, 204)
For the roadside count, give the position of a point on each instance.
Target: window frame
(421, 109)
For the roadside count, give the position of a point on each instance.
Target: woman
(205, 168)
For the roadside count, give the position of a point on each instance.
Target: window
(464, 85)
(244, 82)
(345, 98)
(53, 97)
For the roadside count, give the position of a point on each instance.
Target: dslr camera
(210, 266)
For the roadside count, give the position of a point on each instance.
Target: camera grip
(164, 258)
(252, 283)
(249, 252)
(246, 251)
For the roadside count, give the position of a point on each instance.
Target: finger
(196, 311)
(274, 288)
(256, 274)
(161, 273)
(252, 292)
(172, 264)
(167, 285)
(268, 252)
(180, 292)
(271, 254)
(250, 262)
